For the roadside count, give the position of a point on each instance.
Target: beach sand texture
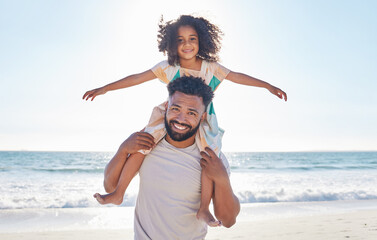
(360, 224)
(356, 225)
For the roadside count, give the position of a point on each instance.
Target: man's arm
(134, 143)
(226, 204)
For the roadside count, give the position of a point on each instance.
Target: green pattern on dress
(214, 83)
(177, 75)
(211, 109)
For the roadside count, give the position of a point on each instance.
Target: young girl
(192, 45)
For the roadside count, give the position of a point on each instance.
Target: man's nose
(181, 117)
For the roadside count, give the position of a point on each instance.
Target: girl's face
(188, 42)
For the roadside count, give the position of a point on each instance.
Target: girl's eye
(193, 39)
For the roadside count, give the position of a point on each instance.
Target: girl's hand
(93, 93)
(278, 92)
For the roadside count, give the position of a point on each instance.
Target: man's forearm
(113, 170)
(226, 204)
(137, 141)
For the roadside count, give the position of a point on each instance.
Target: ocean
(42, 180)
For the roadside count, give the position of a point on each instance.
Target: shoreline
(283, 220)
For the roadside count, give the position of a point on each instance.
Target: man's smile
(179, 126)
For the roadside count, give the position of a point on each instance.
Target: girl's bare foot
(109, 198)
(206, 216)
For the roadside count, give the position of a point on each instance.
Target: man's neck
(182, 144)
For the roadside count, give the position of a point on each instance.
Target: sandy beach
(354, 225)
(319, 220)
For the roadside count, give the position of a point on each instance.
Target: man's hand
(212, 165)
(137, 141)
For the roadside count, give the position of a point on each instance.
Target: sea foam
(69, 180)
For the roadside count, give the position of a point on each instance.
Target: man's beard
(179, 137)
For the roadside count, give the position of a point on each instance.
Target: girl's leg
(203, 213)
(113, 169)
(130, 169)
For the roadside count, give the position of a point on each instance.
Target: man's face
(183, 116)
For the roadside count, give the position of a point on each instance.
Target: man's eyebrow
(193, 110)
(179, 106)
(175, 105)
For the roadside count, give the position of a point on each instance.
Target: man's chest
(169, 195)
(172, 176)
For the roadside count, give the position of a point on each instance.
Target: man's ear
(166, 105)
(204, 117)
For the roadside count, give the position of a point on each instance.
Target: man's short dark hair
(191, 86)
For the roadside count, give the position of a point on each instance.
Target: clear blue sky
(322, 53)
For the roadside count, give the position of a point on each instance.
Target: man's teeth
(179, 127)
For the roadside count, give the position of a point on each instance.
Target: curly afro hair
(209, 38)
(191, 86)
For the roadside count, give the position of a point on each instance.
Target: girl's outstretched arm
(126, 82)
(244, 79)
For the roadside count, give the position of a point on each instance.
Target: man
(169, 192)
